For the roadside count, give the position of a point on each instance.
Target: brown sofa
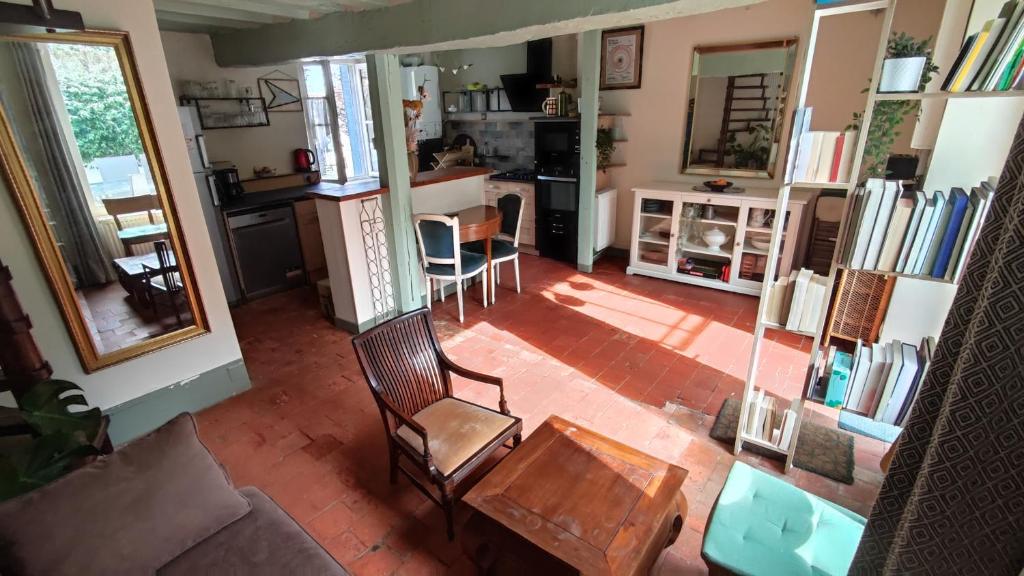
(161, 504)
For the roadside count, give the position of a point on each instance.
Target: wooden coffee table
(569, 500)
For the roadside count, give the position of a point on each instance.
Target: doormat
(821, 450)
(867, 427)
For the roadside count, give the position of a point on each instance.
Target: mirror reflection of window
(736, 108)
(73, 122)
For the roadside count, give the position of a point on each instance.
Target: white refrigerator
(202, 172)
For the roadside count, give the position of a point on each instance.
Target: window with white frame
(339, 118)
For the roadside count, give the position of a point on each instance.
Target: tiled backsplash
(513, 139)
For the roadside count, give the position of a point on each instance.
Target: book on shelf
(883, 379)
(958, 210)
(838, 379)
(799, 283)
(797, 302)
(920, 234)
(890, 191)
(801, 124)
(991, 59)
(768, 421)
(893, 239)
(825, 157)
(914, 232)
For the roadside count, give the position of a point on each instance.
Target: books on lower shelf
(798, 302)
(878, 380)
(705, 268)
(769, 421)
(913, 232)
(992, 59)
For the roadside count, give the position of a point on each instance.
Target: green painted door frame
(589, 64)
(389, 140)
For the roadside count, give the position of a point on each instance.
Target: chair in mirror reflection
(737, 100)
(83, 168)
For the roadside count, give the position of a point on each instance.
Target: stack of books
(825, 157)
(993, 58)
(768, 422)
(704, 268)
(912, 232)
(798, 302)
(879, 381)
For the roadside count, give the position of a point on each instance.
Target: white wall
(118, 384)
(656, 126)
(190, 57)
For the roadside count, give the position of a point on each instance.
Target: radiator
(108, 233)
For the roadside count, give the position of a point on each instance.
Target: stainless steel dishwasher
(266, 246)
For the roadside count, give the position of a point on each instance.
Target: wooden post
(393, 161)
(20, 359)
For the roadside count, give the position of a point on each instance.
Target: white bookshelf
(750, 388)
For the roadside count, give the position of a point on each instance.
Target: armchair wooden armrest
(408, 422)
(485, 378)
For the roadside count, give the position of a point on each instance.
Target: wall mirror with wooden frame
(736, 108)
(81, 160)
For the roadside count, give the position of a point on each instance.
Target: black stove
(517, 175)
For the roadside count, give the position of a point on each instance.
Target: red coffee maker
(304, 159)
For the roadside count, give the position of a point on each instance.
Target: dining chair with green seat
(504, 246)
(443, 258)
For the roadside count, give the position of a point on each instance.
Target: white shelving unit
(750, 389)
(663, 237)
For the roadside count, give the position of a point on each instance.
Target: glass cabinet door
(655, 232)
(752, 252)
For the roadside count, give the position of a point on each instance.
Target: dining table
(480, 223)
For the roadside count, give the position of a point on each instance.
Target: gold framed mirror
(81, 161)
(736, 108)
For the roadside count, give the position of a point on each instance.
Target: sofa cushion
(264, 541)
(127, 513)
(456, 430)
(764, 525)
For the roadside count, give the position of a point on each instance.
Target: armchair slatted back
(399, 359)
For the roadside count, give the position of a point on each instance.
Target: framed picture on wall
(281, 92)
(622, 58)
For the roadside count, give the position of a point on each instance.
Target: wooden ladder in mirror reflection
(743, 88)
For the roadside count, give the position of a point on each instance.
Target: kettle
(304, 159)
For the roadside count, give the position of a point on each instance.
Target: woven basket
(860, 305)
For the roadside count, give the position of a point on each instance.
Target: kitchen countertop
(364, 188)
(279, 196)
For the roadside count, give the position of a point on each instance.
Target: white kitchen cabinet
(669, 223)
(495, 189)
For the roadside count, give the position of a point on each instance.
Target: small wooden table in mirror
(736, 108)
(80, 158)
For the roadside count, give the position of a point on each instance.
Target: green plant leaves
(47, 405)
(59, 437)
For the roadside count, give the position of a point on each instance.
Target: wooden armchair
(444, 437)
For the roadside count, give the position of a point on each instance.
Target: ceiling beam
(197, 9)
(271, 7)
(444, 25)
(223, 23)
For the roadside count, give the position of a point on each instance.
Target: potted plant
(906, 61)
(753, 153)
(52, 430)
(889, 115)
(605, 148)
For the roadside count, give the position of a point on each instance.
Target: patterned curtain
(953, 500)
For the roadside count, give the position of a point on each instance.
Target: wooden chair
(444, 437)
(162, 281)
(132, 235)
(438, 237)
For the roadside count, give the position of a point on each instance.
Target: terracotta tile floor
(116, 321)
(647, 362)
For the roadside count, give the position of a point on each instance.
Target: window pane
(319, 126)
(315, 85)
(371, 150)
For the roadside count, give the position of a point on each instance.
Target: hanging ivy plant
(889, 115)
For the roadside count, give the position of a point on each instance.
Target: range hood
(40, 17)
(521, 89)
